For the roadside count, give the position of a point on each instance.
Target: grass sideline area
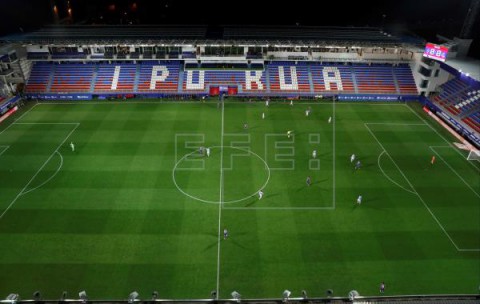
(136, 207)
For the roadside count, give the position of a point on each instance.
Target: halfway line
(220, 204)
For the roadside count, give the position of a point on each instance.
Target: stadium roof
(252, 35)
(360, 34)
(468, 66)
(76, 33)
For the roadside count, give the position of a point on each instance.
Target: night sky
(423, 17)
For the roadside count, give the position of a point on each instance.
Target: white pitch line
(449, 143)
(469, 250)
(454, 171)
(46, 123)
(38, 171)
(86, 102)
(220, 204)
(451, 147)
(279, 208)
(333, 157)
(15, 121)
(5, 149)
(50, 178)
(413, 188)
(388, 177)
(395, 123)
(26, 112)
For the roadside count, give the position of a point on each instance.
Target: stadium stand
(39, 78)
(334, 73)
(276, 78)
(286, 77)
(372, 79)
(72, 77)
(69, 55)
(37, 55)
(164, 79)
(406, 83)
(123, 82)
(461, 100)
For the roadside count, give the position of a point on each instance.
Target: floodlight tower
(472, 14)
(466, 35)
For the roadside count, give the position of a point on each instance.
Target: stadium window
(424, 84)
(425, 72)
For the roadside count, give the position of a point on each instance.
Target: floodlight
(236, 296)
(13, 297)
(132, 296)
(36, 295)
(83, 296)
(304, 294)
(353, 294)
(213, 294)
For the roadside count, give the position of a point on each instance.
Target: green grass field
(135, 207)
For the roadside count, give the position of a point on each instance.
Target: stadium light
(236, 296)
(353, 294)
(83, 296)
(304, 294)
(13, 298)
(213, 294)
(37, 296)
(132, 297)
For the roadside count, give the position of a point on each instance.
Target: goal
(474, 155)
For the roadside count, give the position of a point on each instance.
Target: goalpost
(474, 155)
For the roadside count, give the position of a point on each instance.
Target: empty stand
(461, 100)
(405, 81)
(249, 81)
(159, 77)
(39, 78)
(287, 77)
(374, 79)
(339, 78)
(115, 78)
(72, 77)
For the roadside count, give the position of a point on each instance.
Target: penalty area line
(413, 188)
(38, 171)
(3, 149)
(454, 171)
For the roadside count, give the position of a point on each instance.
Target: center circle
(244, 173)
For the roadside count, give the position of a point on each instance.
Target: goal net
(474, 155)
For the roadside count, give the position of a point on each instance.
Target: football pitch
(137, 206)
